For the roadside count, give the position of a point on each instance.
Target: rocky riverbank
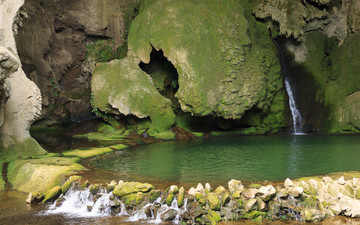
(306, 199)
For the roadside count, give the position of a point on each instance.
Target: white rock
(327, 180)
(266, 192)
(341, 180)
(207, 187)
(296, 191)
(288, 183)
(250, 204)
(355, 182)
(121, 182)
(192, 191)
(250, 193)
(235, 185)
(173, 189)
(200, 188)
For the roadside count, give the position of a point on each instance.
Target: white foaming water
(296, 116)
(162, 209)
(78, 203)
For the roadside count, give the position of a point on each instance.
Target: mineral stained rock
(224, 68)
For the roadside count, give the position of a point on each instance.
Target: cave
(164, 76)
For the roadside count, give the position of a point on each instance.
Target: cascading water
(81, 203)
(296, 116)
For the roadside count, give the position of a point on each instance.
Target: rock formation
(322, 38)
(21, 96)
(225, 68)
(53, 39)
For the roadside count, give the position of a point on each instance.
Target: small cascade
(157, 212)
(81, 203)
(296, 116)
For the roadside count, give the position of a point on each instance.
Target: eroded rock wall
(227, 66)
(21, 96)
(52, 39)
(322, 38)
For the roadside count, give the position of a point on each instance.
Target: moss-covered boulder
(181, 196)
(121, 87)
(132, 200)
(213, 201)
(53, 194)
(224, 68)
(170, 199)
(131, 187)
(66, 186)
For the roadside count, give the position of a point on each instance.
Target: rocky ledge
(306, 199)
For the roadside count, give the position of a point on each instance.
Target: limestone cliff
(53, 39)
(226, 65)
(22, 97)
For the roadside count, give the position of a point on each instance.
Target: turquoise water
(249, 158)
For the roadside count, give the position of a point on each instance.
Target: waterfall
(296, 116)
(81, 203)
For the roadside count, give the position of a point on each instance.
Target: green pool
(247, 158)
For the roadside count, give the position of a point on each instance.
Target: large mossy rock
(122, 87)
(132, 187)
(226, 64)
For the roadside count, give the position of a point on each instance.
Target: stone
(341, 180)
(111, 186)
(33, 199)
(132, 187)
(296, 191)
(220, 190)
(201, 199)
(20, 105)
(311, 215)
(266, 193)
(327, 180)
(214, 201)
(200, 188)
(173, 189)
(192, 191)
(133, 200)
(169, 215)
(261, 204)
(215, 215)
(249, 193)
(235, 185)
(225, 199)
(170, 199)
(288, 183)
(66, 186)
(181, 197)
(53, 194)
(250, 205)
(94, 188)
(154, 194)
(207, 188)
(282, 193)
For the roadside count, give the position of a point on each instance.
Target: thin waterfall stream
(296, 116)
(295, 113)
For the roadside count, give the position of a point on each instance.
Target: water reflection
(245, 158)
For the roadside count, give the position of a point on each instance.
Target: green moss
(113, 86)
(170, 199)
(254, 214)
(215, 215)
(66, 186)
(310, 201)
(154, 194)
(16, 149)
(53, 194)
(87, 153)
(40, 175)
(133, 199)
(132, 187)
(2, 182)
(200, 198)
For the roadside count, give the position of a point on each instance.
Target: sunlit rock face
(226, 62)
(21, 96)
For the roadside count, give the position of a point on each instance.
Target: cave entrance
(164, 76)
